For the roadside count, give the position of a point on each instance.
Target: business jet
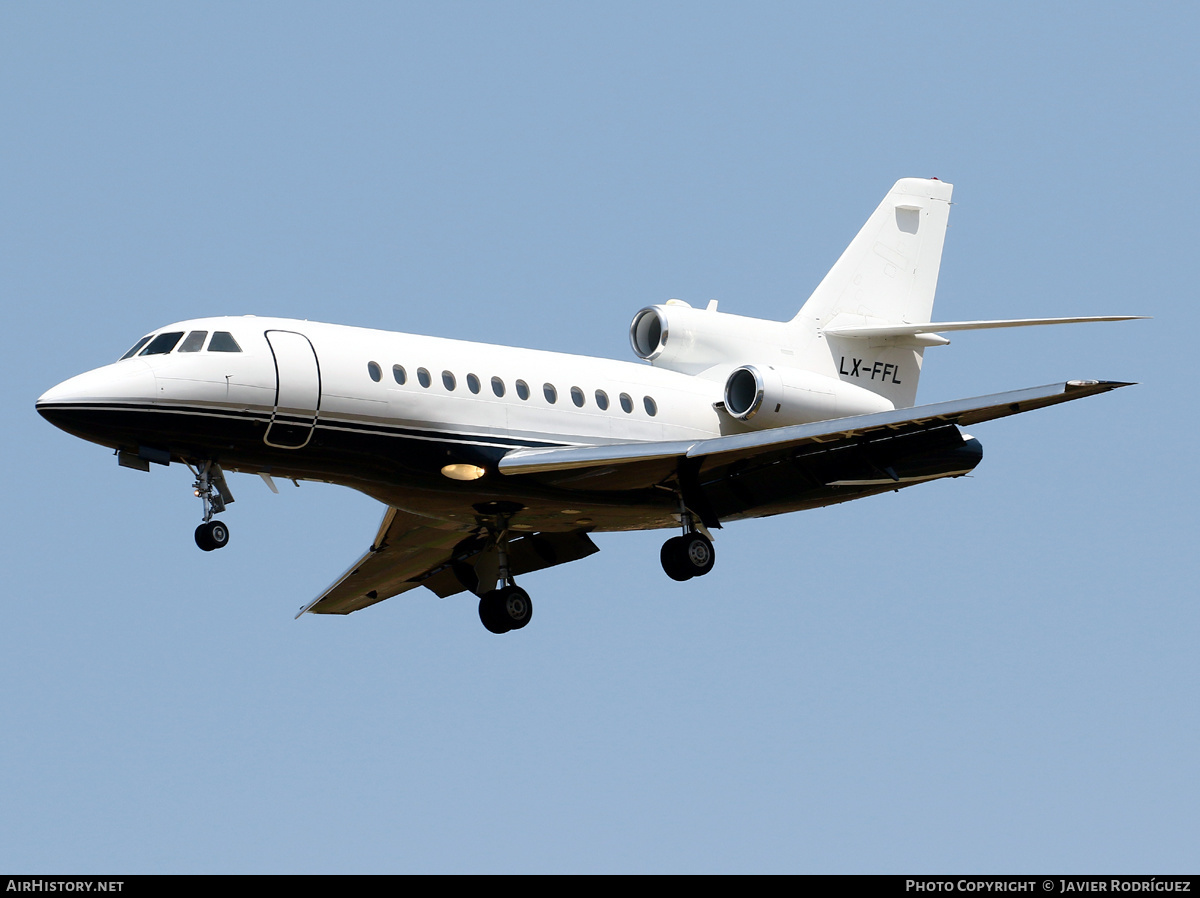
(494, 462)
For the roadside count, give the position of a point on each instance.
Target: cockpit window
(162, 344)
(222, 341)
(136, 346)
(194, 342)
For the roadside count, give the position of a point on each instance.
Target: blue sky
(983, 675)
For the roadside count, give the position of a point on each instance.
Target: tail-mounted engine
(779, 387)
(763, 396)
(679, 338)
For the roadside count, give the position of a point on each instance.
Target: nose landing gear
(211, 489)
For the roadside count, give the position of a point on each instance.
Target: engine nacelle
(764, 396)
(677, 337)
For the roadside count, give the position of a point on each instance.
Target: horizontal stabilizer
(867, 331)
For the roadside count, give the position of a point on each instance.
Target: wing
(405, 547)
(411, 551)
(789, 468)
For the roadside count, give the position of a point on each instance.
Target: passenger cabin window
(577, 397)
(162, 344)
(626, 403)
(550, 393)
(194, 342)
(375, 371)
(136, 346)
(423, 377)
(472, 383)
(651, 406)
(399, 373)
(522, 389)
(497, 386)
(448, 381)
(222, 341)
(602, 400)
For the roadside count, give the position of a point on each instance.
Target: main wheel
(489, 612)
(515, 607)
(698, 550)
(674, 563)
(505, 609)
(213, 535)
(685, 557)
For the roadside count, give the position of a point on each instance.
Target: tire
(489, 613)
(674, 562)
(213, 535)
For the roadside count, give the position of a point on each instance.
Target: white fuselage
(308, 400)
(562, 392)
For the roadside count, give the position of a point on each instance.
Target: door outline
(299, 360)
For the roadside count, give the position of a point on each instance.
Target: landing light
(463, 472)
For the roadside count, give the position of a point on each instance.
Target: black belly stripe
(327, 424)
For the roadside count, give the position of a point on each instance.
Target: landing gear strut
(508, 607)
(690, 555)
(211, 489)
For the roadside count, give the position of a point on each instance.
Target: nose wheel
(213, 535)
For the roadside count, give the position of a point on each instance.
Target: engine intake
(648, 334)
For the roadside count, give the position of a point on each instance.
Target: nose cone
(88, 404)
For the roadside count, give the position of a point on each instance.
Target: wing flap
(527, 553)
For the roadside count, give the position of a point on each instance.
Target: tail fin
(887, 276)
(888, 273)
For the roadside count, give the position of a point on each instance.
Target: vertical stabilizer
(889, 271)
(887, 275)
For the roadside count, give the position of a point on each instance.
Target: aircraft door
(297, 390)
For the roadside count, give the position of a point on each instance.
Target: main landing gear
(507, 607)
(690, 555)
(211, 489)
